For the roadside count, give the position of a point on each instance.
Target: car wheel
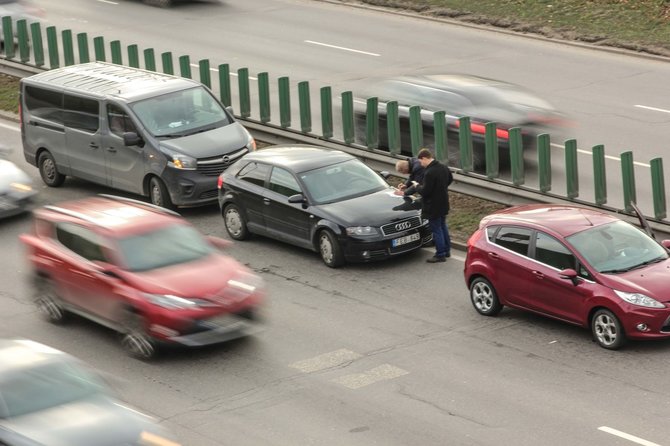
(135, 340)
(607, 330)
(330, 249)
(159, 3)
(159, 194)
(484, 297)
(236, 224)
(47, 300)
(49, 171)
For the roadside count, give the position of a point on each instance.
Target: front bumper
(14, 205)
(190, 187)
(656, 322)
(361, 250)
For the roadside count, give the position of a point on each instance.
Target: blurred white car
(16, 188)
(17, 10)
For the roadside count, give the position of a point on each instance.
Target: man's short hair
(424, 153)
(402, 166)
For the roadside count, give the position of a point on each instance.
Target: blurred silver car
(16, 188)
(48, 397)
(17, 10)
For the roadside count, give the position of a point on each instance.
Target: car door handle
(111, 149)
(538, 274)
(266, 201)
(493, 255)
(93, 145)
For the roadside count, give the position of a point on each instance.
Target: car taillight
(479, 128)
(219, 182)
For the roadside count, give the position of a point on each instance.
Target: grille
(210, 194)
(401, 226)
(666, 326)
(213, 166)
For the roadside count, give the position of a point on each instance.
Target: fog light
(366, 254)
(642, 327)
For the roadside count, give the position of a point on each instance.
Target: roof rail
(142, 203)
(71, 213)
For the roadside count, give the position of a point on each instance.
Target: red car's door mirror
(569, 274)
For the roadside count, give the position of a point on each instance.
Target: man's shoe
(436, 259)
(448, 254)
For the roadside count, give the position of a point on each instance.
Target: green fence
(359, 120)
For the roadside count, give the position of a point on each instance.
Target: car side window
(82, 113)
(282, 182)
(81, 241)
(514, 239)
(491, 233)
(45, 104)
(118, 120)
(551, 252)
(254, 173)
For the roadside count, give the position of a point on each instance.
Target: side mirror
(108, 269)
(385, 174)
(220, 243)
(297, 198)
(666, 244)
(230, 110)
(569, 274)
(132, 139)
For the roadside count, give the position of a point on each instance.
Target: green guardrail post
(440, 131)
(372, 123)
(52, 43)
(348, 131)
(628, 177)
(305, 107)
(205, 72)
(149, 59)
(24, 42)
(264, 97)
(133, 56)
(284, 102)
(658, 188)
(393, 127)
(245, 101)
(168, 66)
(8, 36)
(38, 47)
(224, 84)
(516, 156)
(465, 143)
(544, 161)
(491, 150)
(99, 49)
(415, 129)
(571, 169)
(82, 45)
(115, 46)
(68, 47)
(599, 174)
(326, 112)
(185, 66)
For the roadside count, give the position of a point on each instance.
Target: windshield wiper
(630, 268)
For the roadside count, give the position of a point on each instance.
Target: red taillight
(219, 182)
(479, 128)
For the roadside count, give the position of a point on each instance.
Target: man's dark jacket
(434, 190)
(416, 173)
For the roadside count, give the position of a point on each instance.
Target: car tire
(235, 223)
(484, 297)
(47, 300)
(49, 170)
(134, 337)
(607, 330)
(159, 3)
(158, 193)
(330, 249)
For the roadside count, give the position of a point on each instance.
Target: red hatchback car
(574, 264)
(141, 270)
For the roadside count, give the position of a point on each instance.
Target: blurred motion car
(16, 187)
(323, 200)
(574, 264)
(19, 10)
(50, 398)
(483, 100)
(141, 270)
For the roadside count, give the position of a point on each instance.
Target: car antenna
(581, 211)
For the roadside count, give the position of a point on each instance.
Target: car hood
(98, 420)
(218, 141)
(9, 174)
(374, 209)
(651, 280)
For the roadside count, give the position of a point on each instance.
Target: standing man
(413, 168)
(435, 203)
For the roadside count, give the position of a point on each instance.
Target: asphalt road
(388, 353)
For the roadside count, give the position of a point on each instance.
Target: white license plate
(406, 239)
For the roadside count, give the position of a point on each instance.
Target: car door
(290, 222)
(82, 138)
(249, 194)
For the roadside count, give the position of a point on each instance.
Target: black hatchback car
(324, 200)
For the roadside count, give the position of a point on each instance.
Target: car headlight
(251, 143)
(639, 299)
(21, 187)
(362, 230)
(179, 160)
(171, 302)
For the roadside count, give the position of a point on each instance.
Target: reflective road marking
(342, 48)
(628, 437)
(609, 157)
(325, 361)
(653, 108)
(10, 127)
(381, 373)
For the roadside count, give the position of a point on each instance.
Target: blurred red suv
(575, 264)
(141, 270)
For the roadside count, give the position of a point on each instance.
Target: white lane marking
(216, 70)
(652, 108)
(609, 157)
(107, 1)
(325, 361)
(381, 373)
(628, 437)
(10, 127)
(342, 48)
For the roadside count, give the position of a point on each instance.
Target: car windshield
(28, 390)
(617, 247)
(170, 245)
(341, 181)
(181, 113)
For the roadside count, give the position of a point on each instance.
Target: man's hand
(398, 191)
(402, 186)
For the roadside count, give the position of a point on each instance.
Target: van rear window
(44, 104)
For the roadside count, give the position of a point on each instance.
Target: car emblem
(225, 159)
(402, 226)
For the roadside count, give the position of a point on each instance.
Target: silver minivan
(148, 133)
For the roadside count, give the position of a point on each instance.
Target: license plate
(404, 240)
(224, 320)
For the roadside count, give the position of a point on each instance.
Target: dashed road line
(628, 437)
(381, 373)
(662, 110)
(325, 361)
(342, 48)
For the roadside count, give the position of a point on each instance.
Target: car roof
(299, 158)
(562, 219)
(19, 354)
(116, 216)
(101, 79)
